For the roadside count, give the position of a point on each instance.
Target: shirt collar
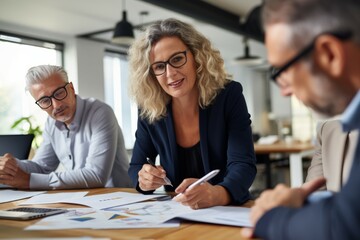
(350, 118)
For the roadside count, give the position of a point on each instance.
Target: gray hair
(309, 18)
(41, 73)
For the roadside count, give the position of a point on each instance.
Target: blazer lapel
(172, 144)
(203, 125)
(339, 155)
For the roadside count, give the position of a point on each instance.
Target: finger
(194, 206)
(8, 168)
(185, 184)
(149, 172)
(255, 213)
(309, 187)
(9, 171)
(148, 178)
(188, 198)
(156, 171)
(6, 177)
(187, 201)
(8, 155)
(247, 232)
(147, 186)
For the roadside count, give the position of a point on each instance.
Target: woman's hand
(201, 196)
(151, 178)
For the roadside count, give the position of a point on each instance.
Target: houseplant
(27, 125)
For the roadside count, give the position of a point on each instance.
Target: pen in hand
(152, 163)
(205, 178)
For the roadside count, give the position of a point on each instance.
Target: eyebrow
(169, 57)
(51, 93)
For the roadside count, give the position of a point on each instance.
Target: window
(116, 94)
(303, 123)
(18, 54)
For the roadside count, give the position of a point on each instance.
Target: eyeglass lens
(175, 61)
(276, 72)
(59, 94)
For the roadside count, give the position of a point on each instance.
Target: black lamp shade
(247, 59)
(123, 33)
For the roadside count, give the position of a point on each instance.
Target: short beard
(335, 98)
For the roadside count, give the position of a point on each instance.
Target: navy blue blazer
(225, 141)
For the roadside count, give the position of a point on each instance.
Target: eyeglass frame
(53, 96)
(168, 62)
(276, 72)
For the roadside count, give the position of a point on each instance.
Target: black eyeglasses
(275, 72)
(177, 60)
(59, 94)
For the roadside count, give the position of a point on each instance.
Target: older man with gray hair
(314, 46)
(81, 134)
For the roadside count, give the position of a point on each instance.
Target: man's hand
(8, 165)
(11, 174)
(201, 196)
(281, 196)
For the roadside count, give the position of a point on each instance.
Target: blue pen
(152, 163)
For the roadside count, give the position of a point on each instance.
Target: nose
(55, 103)
(170, 70)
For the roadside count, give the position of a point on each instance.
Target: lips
(176, 83)
(59, 111)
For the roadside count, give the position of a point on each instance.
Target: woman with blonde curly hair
(190, 115)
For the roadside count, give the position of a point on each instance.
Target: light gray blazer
(333, 154)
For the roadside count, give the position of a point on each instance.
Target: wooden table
(187, 229)
(296, 152)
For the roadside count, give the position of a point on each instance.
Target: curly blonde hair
(144, 87)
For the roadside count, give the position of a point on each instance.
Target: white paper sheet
(8, 195)
(150, 214)
(147, 212)
(90, 218)
(54, 198)
(102, 201)
(233, 216)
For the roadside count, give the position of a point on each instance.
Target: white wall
(84, 64)
(261, 95)
(90, 64)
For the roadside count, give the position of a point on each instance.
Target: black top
(191, 165)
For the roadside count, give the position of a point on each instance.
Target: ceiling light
(247, 59)
(123, 33)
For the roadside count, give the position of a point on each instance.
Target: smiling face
(317, 90)
(63, 110)
(177, 82)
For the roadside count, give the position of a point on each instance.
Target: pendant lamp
(247, 59)
(124, 32)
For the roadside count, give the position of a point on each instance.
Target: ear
(330, 55)
(72, 86)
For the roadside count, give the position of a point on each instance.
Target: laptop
(18, 145)
(28, 213)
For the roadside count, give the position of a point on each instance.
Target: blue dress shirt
(91, 150)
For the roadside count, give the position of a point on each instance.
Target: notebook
(18, 145)
(28, 213)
